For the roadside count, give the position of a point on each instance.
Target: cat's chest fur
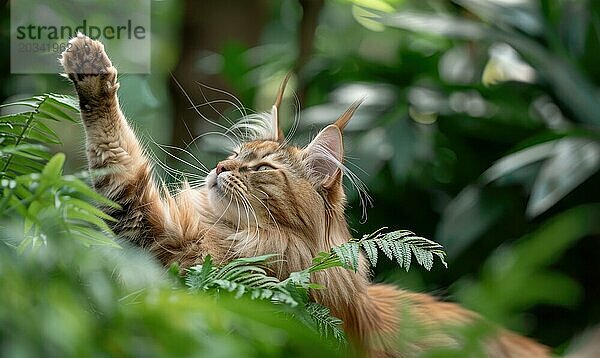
(207, 232)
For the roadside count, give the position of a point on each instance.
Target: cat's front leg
(110, 140)
(112, 147)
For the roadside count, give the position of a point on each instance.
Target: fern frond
(348, 254)
(242, 277)
(24, 129)
(245, 277)
(401, 245)
(396, 245)
(327, 325)
(371, 252)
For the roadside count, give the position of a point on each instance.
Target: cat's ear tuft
(343, 120)
(324, 155)
(278, 133)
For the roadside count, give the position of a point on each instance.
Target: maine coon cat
(266, 197)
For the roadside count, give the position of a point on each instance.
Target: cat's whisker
(216, 101)
(234, 142)
(239, 106)
(250, 210)
(197, 184)
(226, 256)
(256, 126)
(187, 129)
(268, 211)
(178, 174)
(253, 212)
(202, 169)
(156, 162)
(246, 241)
(229, 121)
(237, 229)
(221, 216)
(192, 103)
(162, 163)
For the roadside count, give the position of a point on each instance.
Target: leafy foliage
(320, 317)
(24, 132)
(64, 299)
(244, 276)
(32, 183)
(502, 276)
(107, 299)
(399, 245)
(456, 146)
(53, 206)
(240, 276)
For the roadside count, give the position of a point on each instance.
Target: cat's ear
(278, 133)
(325, 154)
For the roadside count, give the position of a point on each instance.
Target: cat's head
(267, 183)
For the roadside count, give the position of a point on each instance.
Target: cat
(266, 197)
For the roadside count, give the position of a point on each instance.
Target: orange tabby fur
(266, 198)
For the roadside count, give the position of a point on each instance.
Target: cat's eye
(263, 167)
(233, 155)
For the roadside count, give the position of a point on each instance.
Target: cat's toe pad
(85, 62)
(85, 57)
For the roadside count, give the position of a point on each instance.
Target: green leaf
(83, 189)
(579, 157)
(370, 248)
(198, 276)
(75, 216)
(54, 166)
(69, 102)
(473, 211)
(522, 272)
(348, 255)
(84, 206)
(401, 245)
(89, 236)
(327, 325)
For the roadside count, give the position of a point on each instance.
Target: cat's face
(265, 184)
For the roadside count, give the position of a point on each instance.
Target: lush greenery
(480, 131)
(57, 247)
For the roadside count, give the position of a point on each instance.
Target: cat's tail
(408, 323)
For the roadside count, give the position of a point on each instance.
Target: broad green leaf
(75, 216)
(89, 236)
(82, 205)
(83, 189)
(519, 159)
(521, 271)
(579, 157)
(54, 166)
(69, 102)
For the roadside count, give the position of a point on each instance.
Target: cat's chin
(222, 203)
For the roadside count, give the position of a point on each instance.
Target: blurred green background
(480, 128)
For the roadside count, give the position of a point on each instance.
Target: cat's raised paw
(85, 62)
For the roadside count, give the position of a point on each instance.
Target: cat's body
(266, 198)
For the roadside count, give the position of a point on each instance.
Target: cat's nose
(222, 167)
